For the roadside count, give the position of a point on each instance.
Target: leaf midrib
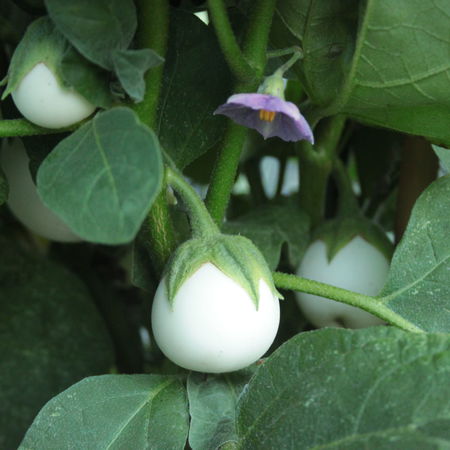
(151, 396)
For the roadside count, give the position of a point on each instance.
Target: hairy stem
(316, 164)
(152, 33)
(201, 222)
(227, 163)
(233, 54)
(365, 302)
(22, 127)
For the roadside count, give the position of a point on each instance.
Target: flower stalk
(227, 163)
(365, 302)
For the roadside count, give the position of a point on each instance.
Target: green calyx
(42, 43)
(273, 85)
(337, 233)
(236, 256)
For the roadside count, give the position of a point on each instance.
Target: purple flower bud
(269, 115)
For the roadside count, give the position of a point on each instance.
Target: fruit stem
(202, 224)
(365, 302)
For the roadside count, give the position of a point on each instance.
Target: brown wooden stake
(419, 167)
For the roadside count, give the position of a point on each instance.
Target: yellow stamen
(267, 116)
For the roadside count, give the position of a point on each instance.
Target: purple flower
(268, 114)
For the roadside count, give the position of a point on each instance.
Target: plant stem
(348, 205)
(232, 52)
(365, 302)
(227, 163)
(281, 175)
(152, 33)
(22, 127)
(255, 46)
(202, 224)
(224, 172)
(315, 167)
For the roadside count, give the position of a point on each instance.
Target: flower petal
(288, 124)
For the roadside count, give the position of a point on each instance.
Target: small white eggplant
(23, 199)
(213, 325)
(358, 266)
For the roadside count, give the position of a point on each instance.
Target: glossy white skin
(358, 266)
(23, 199)
(214, 325)
(41, 99)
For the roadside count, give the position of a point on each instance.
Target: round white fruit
(42, 100)
(358, 266)
(23, 199)
(213, 325)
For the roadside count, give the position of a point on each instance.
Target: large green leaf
(103, 178)
(96, 29)
(114, 411)
(196, 81)
(269, 227)
(51, 336)
(326, 31)
(212, 405)
(412, 95)
(418, 284)
(395, 74)
(378, 388)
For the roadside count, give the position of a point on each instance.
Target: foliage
(364, 74)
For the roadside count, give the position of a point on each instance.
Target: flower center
(267, 116)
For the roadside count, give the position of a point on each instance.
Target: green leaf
(212, 406)
(349, 50)
(88, 79)
(326, 32)
(412, 95)
(196, 81)
(418, 284)
(443, 154)
(130, 67)
(4, 188)
(377, 388)
(96, 29)
(103, 178)
(269, 227)
(51, 336)
(114, 411)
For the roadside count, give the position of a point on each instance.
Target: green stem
(348, 205)
(284, 52)
(281, 175)
(365, 302)
(314, 169)
(227, 163)
(21, 127)
(233, 54)
(202, 224)
(289, 63)
(316, 164)
(253, 172)
(255, 46)
(224, 172)
(153, 33)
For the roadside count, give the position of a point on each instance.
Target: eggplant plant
(224, 224)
